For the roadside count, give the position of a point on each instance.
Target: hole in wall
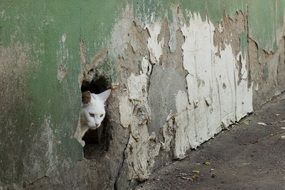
(98, 85)
(97, 140)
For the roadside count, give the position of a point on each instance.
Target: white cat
(92, 113)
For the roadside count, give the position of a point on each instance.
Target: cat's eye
(101, 115)
(92, 114)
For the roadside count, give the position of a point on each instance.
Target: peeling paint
(146, 67)
(203, 89)
(125, 111)
(168, 132)
(244, 94)
(62, 56)
(135, 113)
(198, 53)
(154, 46)
(137, 87)
(215, 98)
(185, 132)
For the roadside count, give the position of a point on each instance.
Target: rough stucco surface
(13, 68)
(177, 80)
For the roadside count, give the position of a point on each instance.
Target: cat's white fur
(92, 114)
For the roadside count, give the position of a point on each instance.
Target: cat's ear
(104, 95)
(86, 97)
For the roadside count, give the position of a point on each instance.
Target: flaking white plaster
(154, 46)
(135, 113)
(216, 98)
(125, 111)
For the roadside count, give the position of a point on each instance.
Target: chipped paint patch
(146, 67)
(244, 94)
(168, 132)
(183, 131)
(135, 114)
(154, 46)
(215, 96)
(62, 58)
(137, 87)
(125, 108)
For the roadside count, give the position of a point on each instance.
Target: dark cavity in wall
(97, 141)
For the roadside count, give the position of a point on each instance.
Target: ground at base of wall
(248, 156)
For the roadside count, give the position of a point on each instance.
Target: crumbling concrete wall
(180, 72)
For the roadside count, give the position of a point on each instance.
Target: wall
(181, 71)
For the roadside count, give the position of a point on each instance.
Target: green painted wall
(264, 16)
(39, 26)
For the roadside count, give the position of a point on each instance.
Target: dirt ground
(249, 156)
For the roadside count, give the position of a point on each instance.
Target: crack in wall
(36, 181)
(116, 187)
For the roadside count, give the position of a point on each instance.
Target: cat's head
(95, 107)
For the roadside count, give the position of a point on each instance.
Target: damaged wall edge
(178, 78)
(227, 97)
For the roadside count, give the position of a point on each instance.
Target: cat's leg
(83, 131)
(79, 133)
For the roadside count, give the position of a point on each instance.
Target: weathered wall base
(177, 80)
